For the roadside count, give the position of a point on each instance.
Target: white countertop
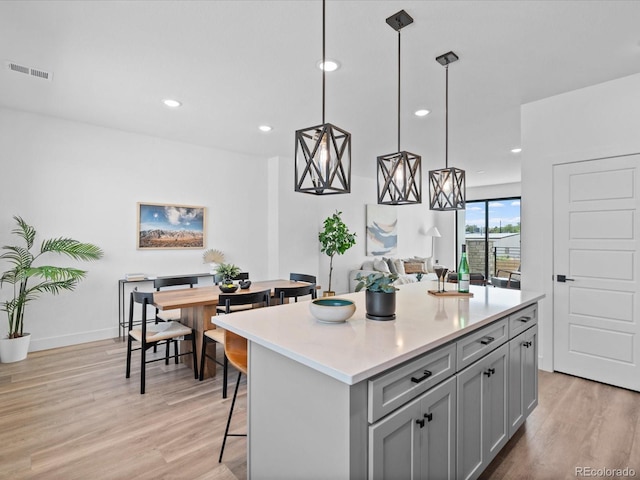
(360, 348)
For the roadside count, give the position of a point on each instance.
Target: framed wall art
(382, 230)
(168, 226)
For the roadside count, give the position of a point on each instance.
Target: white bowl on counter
(332, 309)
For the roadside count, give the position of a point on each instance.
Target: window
(491, 232)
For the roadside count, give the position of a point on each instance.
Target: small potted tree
(29, 281)
(380, 301)
(335, 238)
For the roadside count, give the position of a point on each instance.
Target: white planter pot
(14, 349)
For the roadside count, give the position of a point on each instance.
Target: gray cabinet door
(394, 444)
(418, 440)
(482, 413)
(530, 371)
(437, 438)
(523, 377)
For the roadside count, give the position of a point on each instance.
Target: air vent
(33, 72)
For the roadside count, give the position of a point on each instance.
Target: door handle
(563, 278)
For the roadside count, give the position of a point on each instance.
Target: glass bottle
(463, 272)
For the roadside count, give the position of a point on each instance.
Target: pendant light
(399, 174)
(323, 152)
(447, 190)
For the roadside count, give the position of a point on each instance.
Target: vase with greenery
(380, 301)
(227, 272)
(335, 238)
(30, 280)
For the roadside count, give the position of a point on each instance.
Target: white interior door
(596, 310)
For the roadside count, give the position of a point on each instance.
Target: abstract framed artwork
(382, 230)
(168, 226)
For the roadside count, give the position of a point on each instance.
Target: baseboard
(73, 339)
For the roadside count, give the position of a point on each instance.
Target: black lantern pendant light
(400, 173)
(447, 190)
(323, 152)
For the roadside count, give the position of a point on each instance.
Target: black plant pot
(380, 305)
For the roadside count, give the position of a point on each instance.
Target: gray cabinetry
(523, 377)
(418, 440)
(482, 428)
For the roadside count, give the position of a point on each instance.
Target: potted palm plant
(29, 281)
(380, 301)
(335, 238)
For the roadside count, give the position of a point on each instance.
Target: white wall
(595, 122)
(82, 181)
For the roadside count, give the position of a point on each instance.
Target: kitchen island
(321, 397)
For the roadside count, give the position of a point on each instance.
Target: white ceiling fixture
(516, 150)
(265, 128)
(171, 103)
(423, 112)
(328, 65)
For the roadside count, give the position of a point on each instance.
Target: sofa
(407, 269)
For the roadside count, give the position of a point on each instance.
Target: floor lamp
(432, 232)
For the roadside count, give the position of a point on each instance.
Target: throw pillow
(428, 263)
(368, 265)
(381, 266)
(391, 265)
(399, 265)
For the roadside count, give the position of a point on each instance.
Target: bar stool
(217, 335)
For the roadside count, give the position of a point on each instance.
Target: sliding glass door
(492, 235)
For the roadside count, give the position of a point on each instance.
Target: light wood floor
(69, 413)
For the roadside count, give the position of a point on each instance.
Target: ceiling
(235, 65)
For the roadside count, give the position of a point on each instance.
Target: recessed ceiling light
(171, 103)
(516, 150)
(423, 112)
(265, 128)
(328, 65)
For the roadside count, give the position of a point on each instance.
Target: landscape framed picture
(168, 226)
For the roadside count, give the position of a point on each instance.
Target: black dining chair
(302, 277)
(216, 335)
(282, 293)
(150, 335)
(160, 283)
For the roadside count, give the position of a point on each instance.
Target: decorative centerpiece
(29, 281)
(335, 238)
(332, 309)
(214, 258)
(228, 271)
(380, 298)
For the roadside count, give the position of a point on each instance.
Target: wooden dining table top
(199, 296)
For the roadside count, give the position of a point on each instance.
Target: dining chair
(150, 335)
(281, 293)
(217, 278)
(159, 283)
(302, 277)
(235, 349)
(217, 335)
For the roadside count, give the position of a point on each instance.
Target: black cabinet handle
(524, 319)
(487, 340)
(426, 375)
(420, 422)
(428, 416)
(490, 372)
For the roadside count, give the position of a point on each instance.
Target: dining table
(198, 305)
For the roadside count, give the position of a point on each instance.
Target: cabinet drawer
(522, 319)
(392, 390)
(480, 343)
